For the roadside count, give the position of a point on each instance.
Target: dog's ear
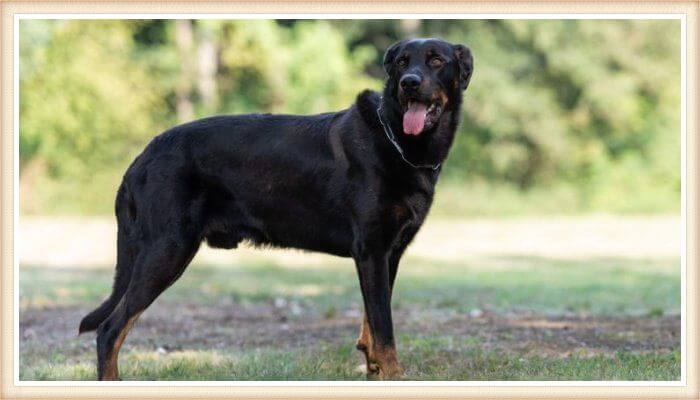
(466, 64)
(391, 54)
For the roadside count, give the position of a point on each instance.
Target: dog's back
(339, 183)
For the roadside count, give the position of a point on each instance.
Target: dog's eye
(436, 62)
(402, 62)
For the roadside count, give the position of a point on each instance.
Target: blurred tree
(553, 98)
(85, 101)
(592, 104)
(303, 67)
(184, 37)
(207, 63)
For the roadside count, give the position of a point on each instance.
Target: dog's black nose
(410, 82)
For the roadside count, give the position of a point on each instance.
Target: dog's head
(426, 77)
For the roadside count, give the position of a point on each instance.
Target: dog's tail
(126, 214)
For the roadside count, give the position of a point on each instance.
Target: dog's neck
(429, 148)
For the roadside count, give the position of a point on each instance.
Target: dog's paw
(390, 372)
(361, 369)
(372, 370)
(371, 373)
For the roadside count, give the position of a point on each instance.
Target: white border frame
(530, 16)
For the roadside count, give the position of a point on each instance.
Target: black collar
(390, 135)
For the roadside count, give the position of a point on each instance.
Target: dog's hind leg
(126, 254)
(157, 267)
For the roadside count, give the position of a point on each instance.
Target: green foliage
(585, 109)
(85, 103)
(302, 69)
(568, 100)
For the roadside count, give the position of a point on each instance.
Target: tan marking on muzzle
(442, 96)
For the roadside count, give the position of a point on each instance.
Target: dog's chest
(410, 206)
(405, 217)
(410, 210)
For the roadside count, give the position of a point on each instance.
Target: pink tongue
(414, 118)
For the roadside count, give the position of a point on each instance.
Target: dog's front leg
(364, 341)
(375, 281)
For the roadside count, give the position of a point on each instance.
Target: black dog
(356, 183)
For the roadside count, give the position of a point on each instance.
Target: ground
(594, 298)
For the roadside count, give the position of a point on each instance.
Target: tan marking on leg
(386, 358)
(400, 211)
(111, 371)
(365, 344)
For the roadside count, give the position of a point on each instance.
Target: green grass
(598, 286)
(436, 341)
(457, 198)
(331, 363)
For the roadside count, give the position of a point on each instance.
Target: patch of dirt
(174, 326)
(573, 335)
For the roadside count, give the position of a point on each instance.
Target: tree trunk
(206, 61)
(184, 39)
(410, 27)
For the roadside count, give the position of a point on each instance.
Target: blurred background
(551, 252)
(563, 117)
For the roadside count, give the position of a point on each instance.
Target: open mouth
(419, 116)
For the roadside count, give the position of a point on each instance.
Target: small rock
(476, 313)
(280, 302)
(161, 350)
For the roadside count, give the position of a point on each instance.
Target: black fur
(331, 183)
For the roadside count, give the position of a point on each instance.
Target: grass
(438, 340)
(598, 286)
(289, 316)
(457, 198)
(331, 363)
